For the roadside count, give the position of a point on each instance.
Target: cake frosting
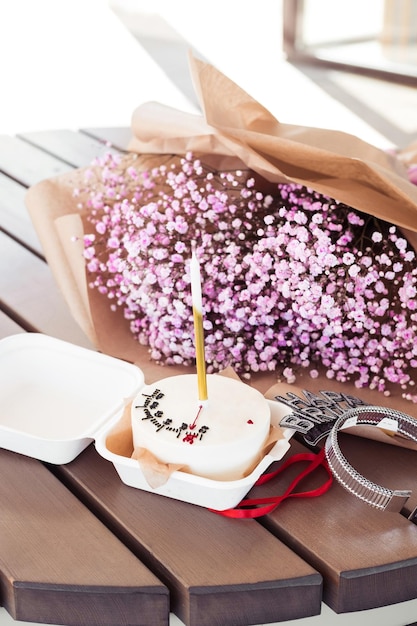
(221, 438)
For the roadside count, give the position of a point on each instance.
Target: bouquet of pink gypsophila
(291, 280)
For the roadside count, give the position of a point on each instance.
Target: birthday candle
(198, 326)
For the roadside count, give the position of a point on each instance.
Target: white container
(57, 398)
(214, 494)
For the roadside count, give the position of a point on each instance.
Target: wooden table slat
(59, 564)
(368, 558)
(118, 137)
(213, 566)
(35, 299)
(76, 149)
(14, 216)
(27, 164)
(8, 326)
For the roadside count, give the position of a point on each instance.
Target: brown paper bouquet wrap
(233, 125)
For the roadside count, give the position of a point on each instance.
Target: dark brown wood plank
(368, 558)
(59, 564)
(29, 294)
(14, 217)
(77, 149)
(213, 566)
(27, 164)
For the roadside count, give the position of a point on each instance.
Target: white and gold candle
(197, 302)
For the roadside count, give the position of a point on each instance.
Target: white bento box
(57, 398)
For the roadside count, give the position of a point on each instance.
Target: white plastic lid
(55, 396)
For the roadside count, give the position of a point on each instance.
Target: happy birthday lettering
(313, 415)
(155, 415)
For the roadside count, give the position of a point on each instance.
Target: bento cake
(221, 438)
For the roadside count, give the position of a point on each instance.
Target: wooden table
(79, 547)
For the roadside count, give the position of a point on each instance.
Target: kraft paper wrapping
(232, 124)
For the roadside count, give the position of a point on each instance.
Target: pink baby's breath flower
(291, 279)
(289, 375)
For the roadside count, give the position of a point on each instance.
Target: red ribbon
(251, 508)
